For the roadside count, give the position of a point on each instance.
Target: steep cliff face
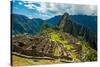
(63, 20)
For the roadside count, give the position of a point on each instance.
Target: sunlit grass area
(19, 61)
(56, 37)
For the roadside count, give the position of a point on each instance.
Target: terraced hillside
(51, 45)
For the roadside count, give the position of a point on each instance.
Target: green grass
(88, 54)
(57, 37)
(19, 61)
(69, 47)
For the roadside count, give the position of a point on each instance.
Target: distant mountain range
(88, 21)
(76, 25)
(22, 24)
(21, 20)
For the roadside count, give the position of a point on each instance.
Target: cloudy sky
(46, 10)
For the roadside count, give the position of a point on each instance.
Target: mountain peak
(63, 20)
(66, 14)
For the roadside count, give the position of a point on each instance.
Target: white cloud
(56, 8)
(20, 3)
(51, 9)
(30, 6)
(83, 9)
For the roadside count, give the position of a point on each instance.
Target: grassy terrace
(56, 37)
(19, 61)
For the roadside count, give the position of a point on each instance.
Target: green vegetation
(19, 61)
(88, 54)
(56, 37)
